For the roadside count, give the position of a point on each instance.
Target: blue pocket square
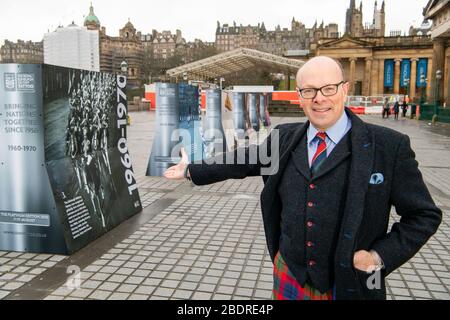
(376, 178)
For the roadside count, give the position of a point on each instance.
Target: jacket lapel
(273, 180)
(362, 160)
(300, 158)
(340, 152)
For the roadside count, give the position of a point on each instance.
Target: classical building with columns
(439, 12)
(385, 65)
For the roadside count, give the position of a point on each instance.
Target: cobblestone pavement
(208, 242)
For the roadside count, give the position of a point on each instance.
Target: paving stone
(108, 286)
(118, 296)
(100, 295)
(126, 288)
(400, 292)
(164, 292)
(201, 296)
(182, 294)
(146, 290)
(91, 284)
(80, 293)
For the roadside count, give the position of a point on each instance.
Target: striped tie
(321, 152)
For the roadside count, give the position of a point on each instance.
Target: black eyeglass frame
(320, 89)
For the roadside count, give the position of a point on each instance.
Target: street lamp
(407, 88)
(124, 67)
(423, 83)
(436, 96)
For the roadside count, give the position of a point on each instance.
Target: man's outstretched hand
(177, 172)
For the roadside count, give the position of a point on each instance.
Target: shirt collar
(335, 133)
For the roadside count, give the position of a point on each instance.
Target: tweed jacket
(383, 173)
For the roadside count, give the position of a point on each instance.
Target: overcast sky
(30, 19)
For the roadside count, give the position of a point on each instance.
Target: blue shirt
(334, 135)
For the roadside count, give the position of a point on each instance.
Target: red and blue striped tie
(321, 152)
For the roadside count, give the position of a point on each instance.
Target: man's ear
(345, 88)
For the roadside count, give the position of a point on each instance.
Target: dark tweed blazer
(364, 226)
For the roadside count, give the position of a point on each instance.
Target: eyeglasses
(327, 91)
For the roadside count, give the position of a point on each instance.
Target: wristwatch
(379, 264)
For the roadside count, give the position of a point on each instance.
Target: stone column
(412, 80)
(380, 77)
(397, 76)
(438, 64)
(367, 77)
(374, 78)
(430, 76)
(352, 75)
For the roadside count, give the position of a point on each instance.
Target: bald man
(328, 194)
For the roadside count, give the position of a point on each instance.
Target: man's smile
(321, 110)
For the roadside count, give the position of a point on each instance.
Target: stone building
(198, 49)
(163, 45)
(233, 37)
(22, 52)
(278, 41)
(126, 47)
(354, 22)
(384, 65)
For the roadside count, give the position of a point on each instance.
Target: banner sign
(389, 73)
(405, 73)
(422, 69)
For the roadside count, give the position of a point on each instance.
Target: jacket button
(309, 244)
(309, 224)
(310, 204)
(312, 186)
(312, 263)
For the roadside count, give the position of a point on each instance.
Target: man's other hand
(364, 261)
(177, 172)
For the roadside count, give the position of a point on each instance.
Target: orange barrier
(203, 100)
(358, 110)
(285, 95)
(151, 96)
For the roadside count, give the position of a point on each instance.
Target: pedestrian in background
(385, 108)
(404, 108)
(396, 109)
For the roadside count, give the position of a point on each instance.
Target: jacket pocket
(372, 285)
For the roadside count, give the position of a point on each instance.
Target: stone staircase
(285, 109)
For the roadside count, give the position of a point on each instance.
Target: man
(385, 108)
(404, 108)
(396, 109)
(326, 209)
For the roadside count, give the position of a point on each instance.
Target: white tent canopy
(234, 61)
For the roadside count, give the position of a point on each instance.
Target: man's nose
(319, 97)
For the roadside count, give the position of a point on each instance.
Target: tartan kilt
(286, 287)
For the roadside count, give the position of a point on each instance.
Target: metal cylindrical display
(253, 110)
(167, 122)
(264, 109)
(238, 114)
(213, 131)
(190, 123)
